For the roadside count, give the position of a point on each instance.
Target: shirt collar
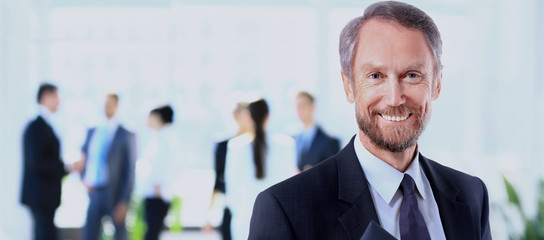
(110, 124)
(309, 129)
(113, 122)
(165, 130)
(309, 132)
(383, 177)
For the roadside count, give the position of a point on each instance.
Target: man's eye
(374, 76)
(412, 75)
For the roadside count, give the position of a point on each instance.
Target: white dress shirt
(161, 158)
(242, 187)
(384, 187)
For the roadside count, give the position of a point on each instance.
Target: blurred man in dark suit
(313, 144)
(109, 153)
(43, 166)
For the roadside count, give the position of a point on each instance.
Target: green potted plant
(533, 226)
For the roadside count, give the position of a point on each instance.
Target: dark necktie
(411, 222)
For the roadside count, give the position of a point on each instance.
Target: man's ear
(348, 87)
(437, 86)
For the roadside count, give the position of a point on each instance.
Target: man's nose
(395, 92)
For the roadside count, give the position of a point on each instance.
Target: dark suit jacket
(121, 161)
(220, 163)
(322, 147)
(220, 158)
(333, 201)
(43, 168)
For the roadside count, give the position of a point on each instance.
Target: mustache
(401, 110)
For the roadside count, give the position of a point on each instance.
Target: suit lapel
(455, 216)
(361, 213)
(313, 144)
(50, 130)
(312, 149)
(353, 189)
(114, 141)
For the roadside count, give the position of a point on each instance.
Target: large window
(193, 57)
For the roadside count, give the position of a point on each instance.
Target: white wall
(14, 96)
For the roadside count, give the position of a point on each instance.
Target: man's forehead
(374, 65)
(384, 42)
(381, 26)
(303, 99)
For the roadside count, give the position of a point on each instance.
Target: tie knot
(407, 185)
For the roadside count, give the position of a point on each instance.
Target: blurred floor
(193, 235)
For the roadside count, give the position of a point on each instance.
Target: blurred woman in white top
(255, 161)
(161, 156)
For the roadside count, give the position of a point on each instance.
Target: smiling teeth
(395, 118)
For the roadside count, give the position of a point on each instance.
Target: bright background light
(196, 55)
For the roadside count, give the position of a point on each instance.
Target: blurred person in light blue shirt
(109, 153)
(313, 144)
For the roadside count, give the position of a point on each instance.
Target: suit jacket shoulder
(455, 176)
(462, 201)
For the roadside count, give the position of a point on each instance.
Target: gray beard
(399, 138)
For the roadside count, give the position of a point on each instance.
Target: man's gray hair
(401, 13)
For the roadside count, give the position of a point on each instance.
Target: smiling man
(392, 73)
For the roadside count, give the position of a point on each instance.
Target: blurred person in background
(313, 144)
(109, 153)
(160, 156)
(243, 120)
(255, 161)
(43, 167)
(380, 184)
